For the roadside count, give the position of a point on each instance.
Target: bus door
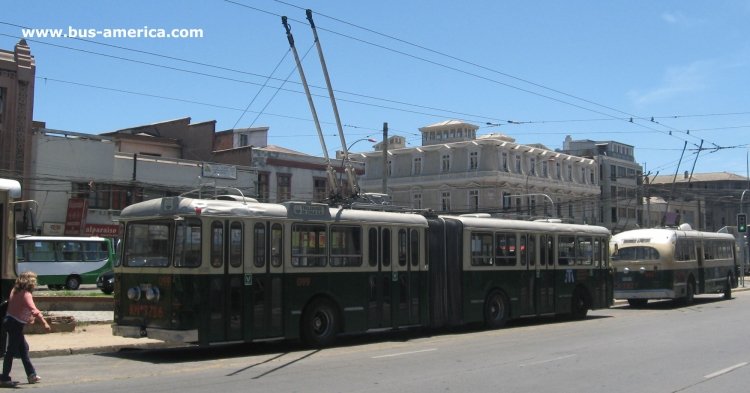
(225, 282)
(545, 275)
(380, 282)
(263, 276)
(527, 245)
(406, 272)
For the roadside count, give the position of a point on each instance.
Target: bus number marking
(248, 279)
(146, 310)
(303, 282)
(570, 276)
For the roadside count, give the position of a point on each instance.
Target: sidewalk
(93, 334)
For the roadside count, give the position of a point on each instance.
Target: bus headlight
(152, 294)
(134, 294)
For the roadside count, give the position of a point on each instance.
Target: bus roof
(171, 207)
(12, 186)
(61, 238)
(537, 226)
(665, 235)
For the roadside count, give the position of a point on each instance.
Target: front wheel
(72, 283)
(496, 310)
(728, 288)
(690, 294)
(579, 304)
(320, 324)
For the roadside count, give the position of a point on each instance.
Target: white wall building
(456, 171)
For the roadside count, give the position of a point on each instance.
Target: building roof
(698, 177)
(279, 149)
(448, 123)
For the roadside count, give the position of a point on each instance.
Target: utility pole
(385, 158)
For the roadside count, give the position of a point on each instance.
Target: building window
(445, 201)
(106, 196)
(545, 169)
(518, 164)
(504, 161)
(532, 166)
(263, 187)
(473, 200)
(558, 171)
(417, 167)
(320, 189)
(416, 201)
(583, 175)
(506, 201)
(445, 163)
(473, 160)
(243, 140)
(283, 187)
(570, 173)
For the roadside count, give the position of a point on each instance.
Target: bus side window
(259, 243)
(70, 251)
(235, 244)
(414, 247)
(276, 245)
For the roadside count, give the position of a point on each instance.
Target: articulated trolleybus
(231, 269)
(672, 263)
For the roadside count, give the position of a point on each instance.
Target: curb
(99, 349)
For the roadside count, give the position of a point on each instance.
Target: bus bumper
(175, 336)
(645, 294)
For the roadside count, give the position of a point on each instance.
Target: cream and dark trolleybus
(231, 269)
(672, 263)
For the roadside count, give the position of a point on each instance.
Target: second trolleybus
(673, 263)
(212, 270)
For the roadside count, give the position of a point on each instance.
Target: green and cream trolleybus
(231, 269)
(672, 263)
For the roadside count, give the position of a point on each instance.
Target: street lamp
(359, 140)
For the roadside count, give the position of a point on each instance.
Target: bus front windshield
(637, 253)
(147, 244)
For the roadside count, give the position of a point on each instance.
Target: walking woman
(21, 310)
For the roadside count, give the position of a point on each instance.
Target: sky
(534, 70)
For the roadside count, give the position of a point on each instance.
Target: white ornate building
(456, 171)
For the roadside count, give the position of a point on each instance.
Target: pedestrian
(21, 310)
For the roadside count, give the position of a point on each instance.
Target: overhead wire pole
(674, 180)
(335, 194)
(347, 164)
(698, 153)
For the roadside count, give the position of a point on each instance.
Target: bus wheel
(320, 324)
(72, 283)
(496, 310)
(728, 288)
(690, 295)
(579, 304)
(637, 302)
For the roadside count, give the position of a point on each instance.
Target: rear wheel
(72, 283)
(637, 302)
(496, 310)
(320, 324)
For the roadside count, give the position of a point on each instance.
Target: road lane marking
(726, 370)
(547, 361)
(404, 353)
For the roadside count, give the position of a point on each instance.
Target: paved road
(661, 348)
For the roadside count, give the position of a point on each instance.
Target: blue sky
(541, 69)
